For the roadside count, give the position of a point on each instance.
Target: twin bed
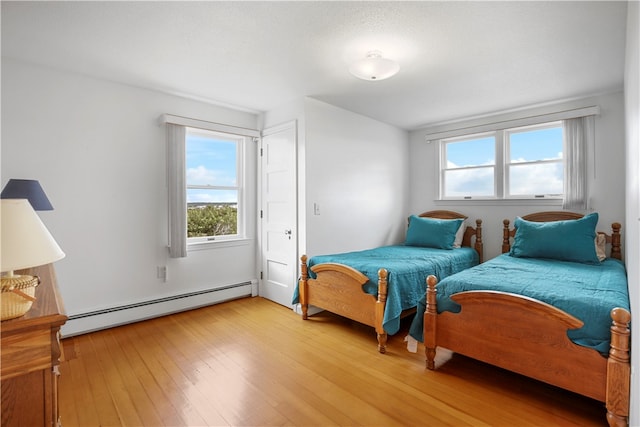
(377, 287)
(550, 308)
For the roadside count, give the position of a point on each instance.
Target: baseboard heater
(114, 316)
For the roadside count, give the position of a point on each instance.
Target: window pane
(212, 212)
(469, 182)
(211, 161)
(536, 179)
(471, 152)
(533, 145)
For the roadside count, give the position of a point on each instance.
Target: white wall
(356, 172)
(99, 152)
(632, 114)
(355, 169)
(606, 181)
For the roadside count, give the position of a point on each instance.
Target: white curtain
(176, 135)
(578, 134)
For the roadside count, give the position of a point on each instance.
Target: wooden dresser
(30, 355)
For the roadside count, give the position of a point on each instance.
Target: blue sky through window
(477, 158)
(543, 144)
(471, 152)
(211, 161)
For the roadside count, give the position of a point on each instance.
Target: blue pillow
(570, 240)
(431, 232)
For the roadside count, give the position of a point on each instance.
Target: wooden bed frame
(529, 337)
(338, 288)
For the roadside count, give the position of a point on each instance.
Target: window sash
(239, 155)
(510, 165)
(467, 170)
(470, 171)
(539, 191)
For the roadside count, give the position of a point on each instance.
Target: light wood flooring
(251, 362)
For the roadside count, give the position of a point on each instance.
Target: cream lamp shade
(25, 243)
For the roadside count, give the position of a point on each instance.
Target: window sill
(217, 244)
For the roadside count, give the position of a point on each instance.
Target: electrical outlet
(162, 272)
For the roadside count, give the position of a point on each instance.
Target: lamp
(25, 242)
(374, 67)
(29, 189)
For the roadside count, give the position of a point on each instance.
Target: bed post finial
(506, 234)
(615, 241)
(620, 334)
(479, 244)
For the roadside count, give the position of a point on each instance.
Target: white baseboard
(116, 316)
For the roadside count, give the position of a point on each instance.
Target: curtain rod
(593, 110)
(203, 124)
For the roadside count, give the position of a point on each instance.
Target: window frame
(240, 142)
(507, 162)
(502, 163)
(443, 165)
(175, 127)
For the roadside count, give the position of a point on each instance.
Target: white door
(278, 213)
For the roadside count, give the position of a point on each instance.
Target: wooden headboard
(547, 216)
(469, 232)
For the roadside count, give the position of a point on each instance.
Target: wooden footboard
(529, 337)
(338, 289)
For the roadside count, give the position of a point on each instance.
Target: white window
(469, 166)
(214, 176)
(524, 162)
(206, 183)
(533, 161)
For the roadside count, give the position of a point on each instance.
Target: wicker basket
(18, 293)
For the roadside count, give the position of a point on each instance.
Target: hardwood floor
(251, 362)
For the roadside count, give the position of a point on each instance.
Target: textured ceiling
(458, 59)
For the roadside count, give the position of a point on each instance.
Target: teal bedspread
(585, 291)
(407, 267)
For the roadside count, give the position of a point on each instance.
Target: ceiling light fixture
(374, 67)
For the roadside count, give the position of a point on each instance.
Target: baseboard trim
(91, 321)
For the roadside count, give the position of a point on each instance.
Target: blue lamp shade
(29, 189)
